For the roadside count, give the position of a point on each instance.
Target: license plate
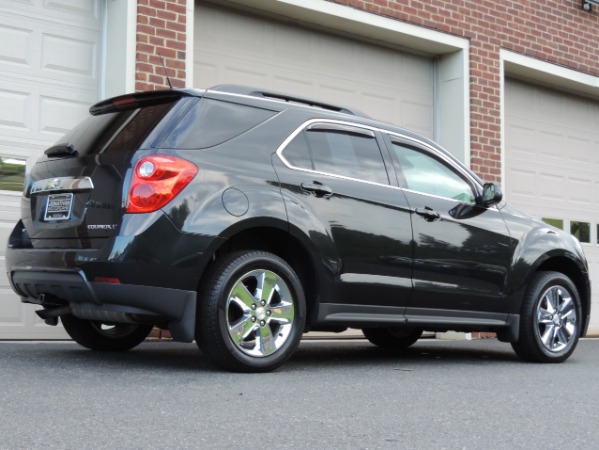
(58, 207)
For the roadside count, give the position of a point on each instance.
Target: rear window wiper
(62, 150)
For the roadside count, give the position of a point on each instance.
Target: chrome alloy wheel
(556, 319)
(260, 313)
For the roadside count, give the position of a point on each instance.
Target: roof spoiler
(137, 100)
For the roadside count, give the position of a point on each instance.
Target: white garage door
(49, 58)
(236, 48)
(552, 164)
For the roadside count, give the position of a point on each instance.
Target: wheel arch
(275, 238)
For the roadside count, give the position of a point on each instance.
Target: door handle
(317, 188)
(429, 214)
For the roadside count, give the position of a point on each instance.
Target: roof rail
(254, 92)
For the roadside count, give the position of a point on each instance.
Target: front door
(462, 251)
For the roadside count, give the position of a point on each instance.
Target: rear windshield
(212, 122)
(117, 131)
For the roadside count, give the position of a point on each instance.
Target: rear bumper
(108, 302)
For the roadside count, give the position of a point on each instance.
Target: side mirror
(491, 194)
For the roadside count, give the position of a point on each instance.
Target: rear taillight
(156, 181)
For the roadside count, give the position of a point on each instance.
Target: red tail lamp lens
(156, 181)
(110, 280)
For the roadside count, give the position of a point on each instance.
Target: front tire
(392, 338)
(104, 337)
(252, 312)
(550, 319)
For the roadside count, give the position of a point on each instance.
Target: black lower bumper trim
(109, 301)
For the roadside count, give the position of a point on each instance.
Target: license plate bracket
(58, 207)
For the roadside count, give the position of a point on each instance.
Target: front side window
(422, 172)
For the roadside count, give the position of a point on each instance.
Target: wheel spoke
(544, 316)
(242, 297)
(561, 337)
(548, 335)
(266, 341)
(570, 327)
(566, 307)
(267, 283)
(242, 329)
(551, 300)
(283, 313)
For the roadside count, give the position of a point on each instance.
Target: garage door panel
(523, 185)
(385, 106)
(304, 62)
(549, 187)
(523, 140)
(416, 75)
(16, 111)
(83, 13)
(56, 53)
(336, 56)
(292, 82)
(68, 58)
(416, 116)
(295, 42)
(552, 162)
(580, 150)
(58, 114)
(41, 113)
(551, 145)
(581, 194)
(19, 52)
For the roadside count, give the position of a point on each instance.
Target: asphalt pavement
(334, 394)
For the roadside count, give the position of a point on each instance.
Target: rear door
(462, 251)
(337, 188)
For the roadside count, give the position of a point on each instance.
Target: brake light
(110, 280)
(156, 181)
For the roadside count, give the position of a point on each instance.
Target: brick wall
(557, 31)
(161, 30)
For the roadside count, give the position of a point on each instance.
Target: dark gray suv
(242, 218)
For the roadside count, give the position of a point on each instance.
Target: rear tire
(103, 337)
(549, 320)
(251, 313)
(392, 338)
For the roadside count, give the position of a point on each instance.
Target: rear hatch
(75, 194)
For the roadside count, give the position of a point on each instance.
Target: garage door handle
(430, 215)
(318, 189)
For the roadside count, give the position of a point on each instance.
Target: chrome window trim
(304, 126)
(426, 147)
(430, 149)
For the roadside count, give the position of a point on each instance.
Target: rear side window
(116, 131)
(338, 150)
(212, 122)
